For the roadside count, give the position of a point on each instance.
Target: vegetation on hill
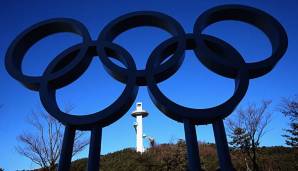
(173, 157)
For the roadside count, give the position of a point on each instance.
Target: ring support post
(67, 148)
(94, 149)
(222, 146)
(194, 163)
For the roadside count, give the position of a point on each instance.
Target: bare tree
(289, 107)
(247, 129)
(151, 140)
(43, 146)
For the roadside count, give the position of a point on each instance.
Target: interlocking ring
(18, 48)
(106, 116)
(196, 116)
(147, 18)
(270, 26)
(215, 54)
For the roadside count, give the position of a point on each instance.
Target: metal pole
(194, 163)
(94, 150)
(222, 146)
(66, 150)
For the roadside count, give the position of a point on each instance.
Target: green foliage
(161, 157)
(270, 158)
(292, 136)
(240, 139)
(174, 157)
(79, 165)
(208, 156)
(289, 107)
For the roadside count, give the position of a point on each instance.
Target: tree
(43, 146)
(151, 140)
(289, 107)
(240, 141)
(247, 129)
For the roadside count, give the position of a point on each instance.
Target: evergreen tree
(292, 136)
(289, 107)
(240, 141)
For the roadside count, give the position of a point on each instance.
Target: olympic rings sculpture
(214, 53)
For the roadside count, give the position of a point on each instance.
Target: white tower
(139, 114)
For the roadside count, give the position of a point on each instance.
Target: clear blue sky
(96, 89)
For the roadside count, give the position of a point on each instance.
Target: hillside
(173, 157)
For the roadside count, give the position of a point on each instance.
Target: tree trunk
(52, 167)
(246, 164)
(254, 159)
